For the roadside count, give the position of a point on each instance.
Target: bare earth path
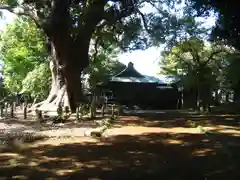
(147, 146)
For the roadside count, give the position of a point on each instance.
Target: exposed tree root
(66, 85)
(51, 98)
(53, 101)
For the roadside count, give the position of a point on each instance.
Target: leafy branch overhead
(120, 21)
(73, 27)
(227, 14)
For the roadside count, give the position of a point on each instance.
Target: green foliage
(67, 113)
(119, 22)
(84, 110)
(13, 83)
(3, 91)
(200, 63)
(231, 70)
(25, 67)
(114, 26)
(60, 115)
(227, 26)
(103, 64)
(37, 82)
(22, 49)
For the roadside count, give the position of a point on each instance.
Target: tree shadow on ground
(171, 119)
(19, 124)
(146, 156)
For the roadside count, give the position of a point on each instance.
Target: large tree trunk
(66, 88)
(69, 52)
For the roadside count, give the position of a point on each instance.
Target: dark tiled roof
(130, 74)
(129, 71)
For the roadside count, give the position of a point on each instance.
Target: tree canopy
(26, 60)
(228, 16)
(70, 26)
(103, 64)
(22, 49)
(199, 65)
(83, 36)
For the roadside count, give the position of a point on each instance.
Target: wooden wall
(145, 95)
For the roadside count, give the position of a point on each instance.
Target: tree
(25, 65)
(103, 64)
(22, 49)
(38, 81)
(227, 29)
(231, 78)
(227, 26)
(200, 64)
(3, 90)
(71, 24)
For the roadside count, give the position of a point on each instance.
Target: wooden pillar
(1, 110)
(77, 114)
(25, 110)
(112, 111)
(118, 110)
(15, 106)
(6, 108)
(93, 107)
(103, 110)
(12, 109)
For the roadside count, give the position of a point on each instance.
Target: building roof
(130, 74)
(129, 71)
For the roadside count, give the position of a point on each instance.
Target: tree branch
(28, 12)
(94, 14)
(195, 55)
(144, 20)
(193, 52)
(115, 14)
(179, 57)
(96, 48)
(60, 18)
(212, 55)
(153, 5)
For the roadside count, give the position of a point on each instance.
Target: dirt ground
(164, 145)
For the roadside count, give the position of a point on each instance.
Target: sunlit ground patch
(172, 141)
(10, 156)
(202, 152)
(232, 132)
(65, 171)
(229, 119)
(20, 177)
(205, 140)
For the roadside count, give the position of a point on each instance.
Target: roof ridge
(130, 70)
